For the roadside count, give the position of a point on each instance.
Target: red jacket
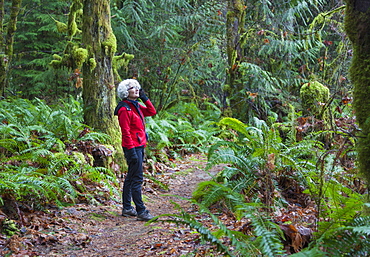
(132, 123)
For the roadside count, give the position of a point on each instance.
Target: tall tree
(7, 39)
(100, 45)
(357, 25)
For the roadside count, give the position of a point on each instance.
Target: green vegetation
(47, 155)
(262, 168)
(266, 95)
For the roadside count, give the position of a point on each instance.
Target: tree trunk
(7, 41)
(99, 94)
(234, 29)
(357, 26)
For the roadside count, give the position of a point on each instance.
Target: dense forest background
(261, 86)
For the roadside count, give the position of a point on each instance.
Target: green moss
(79, 56)
(357, 27)
(61, 27)
(72, 25)
(314, 96)
(92, 63)
(110, 44)
(120, 61)
(74, 57)
(57, 57)
(79, 157)
(76, 6)
(359, 71)
(55, 64)
(75, 9)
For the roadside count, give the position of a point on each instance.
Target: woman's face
(133, 93)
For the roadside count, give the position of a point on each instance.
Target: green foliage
(9, 227)
(180, 61)
(257, 159)
(39, 147)
(257, 155)
(337, 198)
(266, 234)
(23, 118)
(26, 183)
(36, 40)
(351, 239)
(291, 43)
(176, 46)
(183, 129)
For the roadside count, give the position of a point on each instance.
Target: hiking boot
(145, 216)
(128, 213)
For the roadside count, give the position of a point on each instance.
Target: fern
(186, 219)
(210, 192)
(96, 137)
(242, 243)
(25, 183)
(37, 160)
(178, 134)
(266, 239)
(348, 240)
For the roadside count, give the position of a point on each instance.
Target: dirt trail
(101, 231)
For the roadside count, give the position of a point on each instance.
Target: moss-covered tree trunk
(234, 30)
(357, 25)
(7, 40)
(99, 92)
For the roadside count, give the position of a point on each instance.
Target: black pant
(134, 181)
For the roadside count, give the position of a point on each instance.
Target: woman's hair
(125, 85)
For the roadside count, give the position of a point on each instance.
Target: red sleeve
(148, 109)
(124, 123)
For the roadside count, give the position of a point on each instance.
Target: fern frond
(185, 218)
(349, 240)
(96, 137)
(310, 253)
(268, 242)
(9, 144)
(242, 243)
(234, 124)
(209, 192)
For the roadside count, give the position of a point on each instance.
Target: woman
(131, 120)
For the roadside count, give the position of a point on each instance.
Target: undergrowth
(47, 155)
(267, 175)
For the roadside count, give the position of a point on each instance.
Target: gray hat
(125, 85)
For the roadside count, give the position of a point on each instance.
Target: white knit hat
(125, 85)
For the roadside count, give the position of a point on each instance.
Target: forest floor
(100, 230)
